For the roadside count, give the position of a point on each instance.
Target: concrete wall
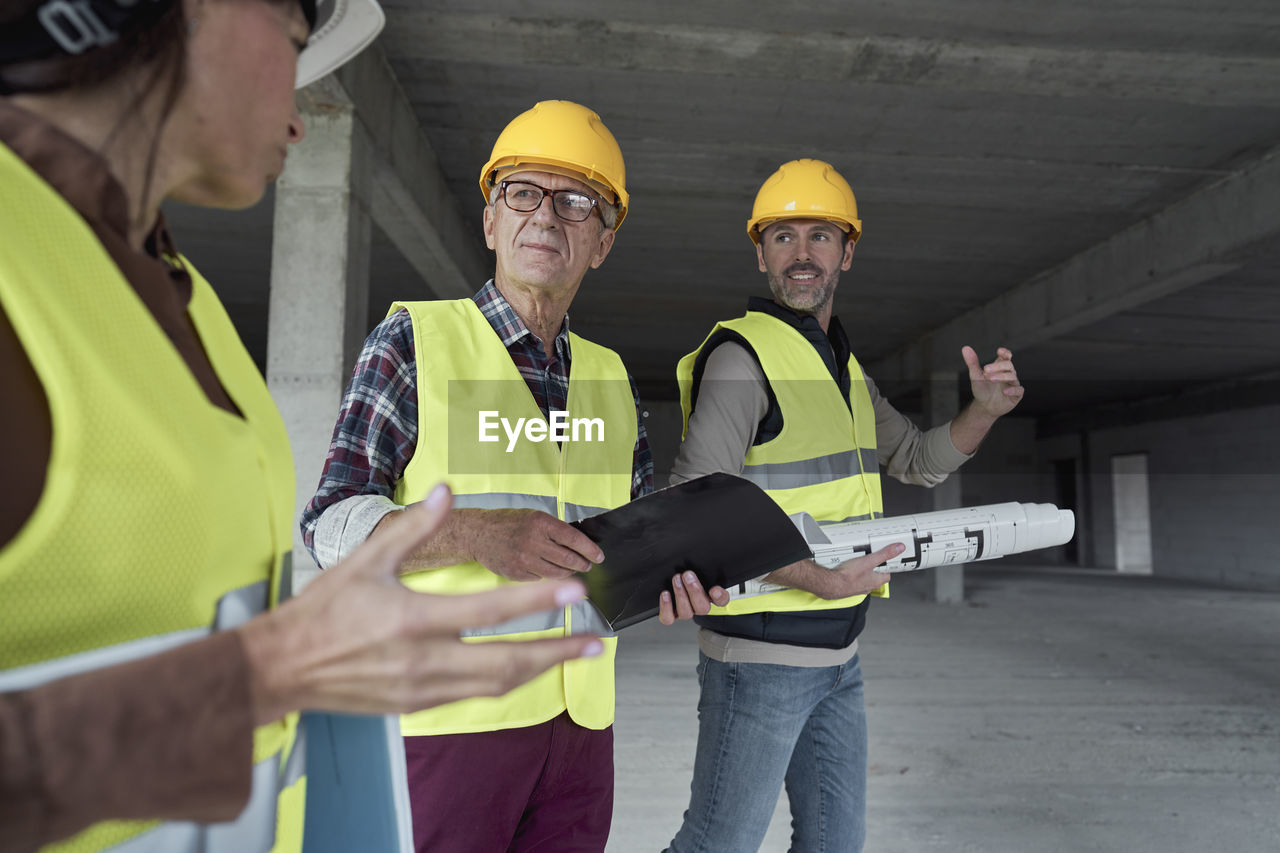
(1003, 469)
(1214, 488)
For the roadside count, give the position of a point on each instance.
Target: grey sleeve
(732, 398)
(909, 454)
(342, 526)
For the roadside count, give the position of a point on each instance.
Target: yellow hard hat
(563, 138)
(805, 189)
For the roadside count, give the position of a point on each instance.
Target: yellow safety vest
(823, 462)
(163, 517)
(463, 371)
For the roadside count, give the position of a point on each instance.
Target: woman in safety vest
(150, 666)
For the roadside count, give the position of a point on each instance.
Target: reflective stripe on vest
(254, 829)
(824, 460)
(805, 472)
(464, 369)
(586, 619)
(516, 500)
(583, 619)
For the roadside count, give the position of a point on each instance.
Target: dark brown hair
(152, 39)
(156, 41)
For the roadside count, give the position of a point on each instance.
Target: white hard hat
(342, 29)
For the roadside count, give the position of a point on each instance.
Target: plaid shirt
(377, 429)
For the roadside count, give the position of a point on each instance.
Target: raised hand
(996, 389)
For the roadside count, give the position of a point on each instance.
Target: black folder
(723, 528)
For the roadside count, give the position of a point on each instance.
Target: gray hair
(608, 212)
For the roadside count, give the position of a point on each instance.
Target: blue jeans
(760, 725)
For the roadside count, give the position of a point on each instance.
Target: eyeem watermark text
(557, 427)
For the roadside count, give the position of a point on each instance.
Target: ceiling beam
(409, 196)
(1164, 403)
(830, 56)
(1192, 241)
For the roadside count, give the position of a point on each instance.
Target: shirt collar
(79, 174)
(83, 179)
(507, 323)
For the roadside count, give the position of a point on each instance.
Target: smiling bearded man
(777, 397)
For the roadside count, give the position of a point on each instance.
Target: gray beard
(827, 289)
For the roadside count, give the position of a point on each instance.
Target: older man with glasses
(532, 769)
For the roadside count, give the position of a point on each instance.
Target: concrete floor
(1054, 711)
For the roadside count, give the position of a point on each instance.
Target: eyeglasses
(569, 205)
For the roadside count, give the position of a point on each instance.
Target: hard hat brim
(500, 173)
(344, 33)
(595, 180)
(756, 226)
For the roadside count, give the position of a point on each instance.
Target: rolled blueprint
(941, 538)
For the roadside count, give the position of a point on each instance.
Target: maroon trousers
(539, 789)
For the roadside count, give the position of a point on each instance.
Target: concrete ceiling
(1094, 183)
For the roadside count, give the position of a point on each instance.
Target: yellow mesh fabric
(156, 502)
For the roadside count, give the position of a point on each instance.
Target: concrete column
(319, 286)
(941, 403)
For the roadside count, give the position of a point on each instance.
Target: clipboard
(357, 787)
(723, 528)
